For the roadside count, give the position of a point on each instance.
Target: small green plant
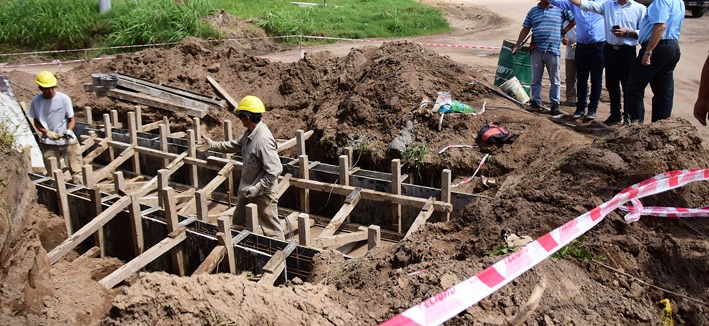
(501, 250)
(577, 250)
(415, 155)
(7, 133)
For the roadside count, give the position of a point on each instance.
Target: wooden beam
(144, 259)
(63, 200)
(106, 171)
(446, 191)
(97, 208)
(396, 190)
(211, 262)
(173, 90)
(225, 229)
(339, 240)
(350, 203)
(163, 129)
(423, 216)
(304, 230)
(294, 141)
(136, 225)
(252, 218)
(305, 174)
(369, 194)
(155, 102)
(101, 147)
(277, 264)
(133, 136)
(192, 152)
(283, 185)
(168, 199)
(374, 239)
(344, 170)
(222, 93)
(161, 94)
(75, 239)
(108, 134)
(300, 142)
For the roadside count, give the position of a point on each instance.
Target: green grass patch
(501, 249)
(38, 25)
(7, 133)
(577, 250)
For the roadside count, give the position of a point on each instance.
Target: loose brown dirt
(553, 172)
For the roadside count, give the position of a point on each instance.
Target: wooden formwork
(146, 194)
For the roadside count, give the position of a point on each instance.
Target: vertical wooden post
(119, 183)
(87, 172)
(163, 143)
(114, 118)
(396, 190)
(97, 208)
(300, 142)
(200, 198)
(192, 152)
(133, 135)
(344, 170)
(446, 191)
(108, 129)
(63, 200)
(166, 122)
(196, 126)
(225, 228)
(252, 218)
(136, 225)
(304, 229)
(89, 115)
(167, 196)
(349, 151)
(228, 133)
(374, 237)
(53, 165)
(304, 174)
(163, 182)
(139, 118)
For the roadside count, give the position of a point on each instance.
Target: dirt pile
(31, 291)
(223, 299)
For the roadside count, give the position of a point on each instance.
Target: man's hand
(205, 144)
(646, 60)
(514, 49)
(53, 135)
(565, 40)
(251, 192)
(701, 111)
(619, 32)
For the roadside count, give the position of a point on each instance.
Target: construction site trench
(365, 122)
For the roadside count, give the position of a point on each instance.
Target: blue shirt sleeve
(528, 20)
(563, 4)
(659, 12)
(568, 15)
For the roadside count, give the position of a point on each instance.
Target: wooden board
(210, 263)
(155, 102)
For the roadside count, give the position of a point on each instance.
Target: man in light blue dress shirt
(591, 38)
(655, 64)
(621, 24)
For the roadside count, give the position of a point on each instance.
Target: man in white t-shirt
(53, 116)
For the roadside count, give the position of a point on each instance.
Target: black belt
(618, 47)
(591, 45)
(667, 41)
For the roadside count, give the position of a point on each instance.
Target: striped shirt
(546, 24)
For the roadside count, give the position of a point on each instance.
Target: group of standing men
(607, 33)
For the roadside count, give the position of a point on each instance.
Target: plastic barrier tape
(445, 305)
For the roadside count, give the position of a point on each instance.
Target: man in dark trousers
(590, 40)
(659, 54)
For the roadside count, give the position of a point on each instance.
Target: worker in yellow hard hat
(261, 166)
(53, 116)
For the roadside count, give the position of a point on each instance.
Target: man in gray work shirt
(260, 170)
(622, 24)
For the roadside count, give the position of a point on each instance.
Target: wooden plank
(154, 102)
(339, 218)
(305, 174)
(339, 240)
(225, 228)
(102, 146)
(211, 262)
(222, 175)
(168, 199)
(222, 93)
(161, 94)
(304, 230)
(283, 185)
(144, 259)
(75, 239)
(423, 216)
(97, 208)
(136, 225)
(374, 238)
(396, 190)
(369, 194)
(133, 135)
(252, 218)
(344, 170)
(446, 191)
(151, 126)
(63, 200)
(106, 171)
(176, 91)
(293, 141)
(277, 264)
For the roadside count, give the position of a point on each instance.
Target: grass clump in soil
(7, 134)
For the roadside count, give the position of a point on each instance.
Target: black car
(696, 7)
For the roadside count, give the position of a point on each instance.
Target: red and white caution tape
(445, 305)
(466, 180)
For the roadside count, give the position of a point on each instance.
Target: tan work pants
(70, 153)
(267, 208)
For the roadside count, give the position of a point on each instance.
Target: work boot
(577, 114)
(534, 106)
(555, 109)
(612, 121)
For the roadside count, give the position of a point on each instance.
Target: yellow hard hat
(251, 104)
(46, 79)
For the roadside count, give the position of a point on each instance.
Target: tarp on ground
(14, 117)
